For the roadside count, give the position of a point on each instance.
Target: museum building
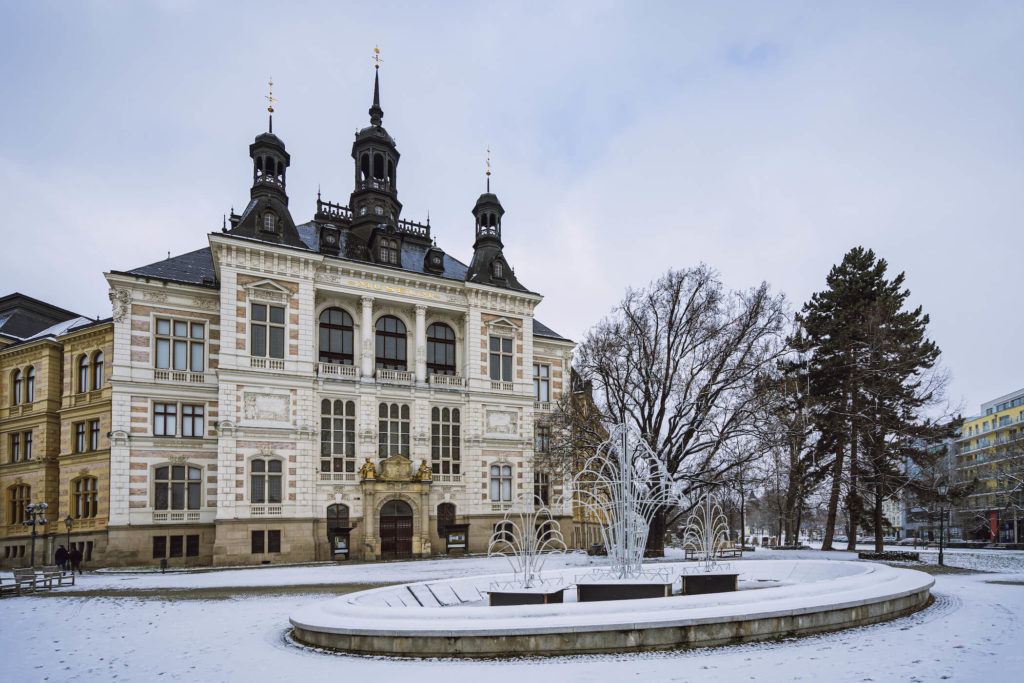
(340, 388)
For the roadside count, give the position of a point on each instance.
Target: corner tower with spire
(266, 217)
(489, 266)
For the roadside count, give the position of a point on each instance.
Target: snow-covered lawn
(971, 633)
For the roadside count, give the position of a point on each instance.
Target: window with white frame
(501, 359)
(337, 436)
(445, 441)
(180, 345)
(393, 429)
(267, 330)
(177, 487)
(501, 483)
(541, 488)
(541, 382)
(542, 439)
(440, 349)
(265, 480)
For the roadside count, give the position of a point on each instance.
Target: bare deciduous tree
(678, 361)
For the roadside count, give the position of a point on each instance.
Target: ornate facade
(337, 388)
(54, 421)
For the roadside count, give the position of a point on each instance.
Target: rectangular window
(192, 420)
(337, 436)
(180, 345)
(177, 547)
(165, 419)
(159, 547)
(541, 382)
(265, 481)
(501, 483)
(541, 488)
(274, 541)
(15, 447)
(267, 327)
(445, 441)
(501, 359)
(542, 439)
(192, 545)
(79, 437)
(94, 435)
(28, 445)
(257, 542)
(393, 430)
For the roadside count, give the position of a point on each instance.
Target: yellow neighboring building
(991, 450)
(36, 401)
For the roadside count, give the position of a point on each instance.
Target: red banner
(993, 524)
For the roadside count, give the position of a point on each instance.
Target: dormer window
(389, 251)
(379, 210)
(269, 222)
(499, 270)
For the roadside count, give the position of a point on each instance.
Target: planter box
(502, 598)
(594, 592)
(697, 584)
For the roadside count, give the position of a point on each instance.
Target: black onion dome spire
(374, 201)
(489, 266)
(266, 217)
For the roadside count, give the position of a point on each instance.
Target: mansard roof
(196, 268)
(22, 316)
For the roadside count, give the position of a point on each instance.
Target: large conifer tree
(871, 374)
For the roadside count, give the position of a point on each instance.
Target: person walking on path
(76, 560)
(61, 558)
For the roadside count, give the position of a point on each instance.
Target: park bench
(9, 586)
(28, 579)
(53, 572)
(728, 549)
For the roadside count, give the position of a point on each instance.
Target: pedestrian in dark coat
(61, 558)
(76, 560)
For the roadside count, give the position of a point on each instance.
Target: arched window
(177, 487)
(445, 517)
(84, 497)
(364, 167)
(337, 518)
(18, 497)
(97, 370)
(336, 337)
(501, 483)
(378, 166)
(393, 430)
(445, 441)
(83, 374)
(337, 436)
(389, 251)
(30, 384)
(16, 388)
(265, 477)
(391, 343)
(440, 349)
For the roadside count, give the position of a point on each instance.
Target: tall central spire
(376, 113)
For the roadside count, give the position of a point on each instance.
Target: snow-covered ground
(116, 629)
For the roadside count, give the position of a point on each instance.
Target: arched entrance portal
(395, 530)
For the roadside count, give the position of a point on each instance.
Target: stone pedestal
(697, 584)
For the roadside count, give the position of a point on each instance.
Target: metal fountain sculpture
(706, 532)
(526, 537)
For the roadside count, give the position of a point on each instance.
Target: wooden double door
(395, 530)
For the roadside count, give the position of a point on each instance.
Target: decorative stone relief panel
(261, 407)
(501, 422)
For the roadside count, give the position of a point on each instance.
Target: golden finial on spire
(270, 95)
(376, 57)
(488, 168)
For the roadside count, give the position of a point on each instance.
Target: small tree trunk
(833, 499)
(656, 535)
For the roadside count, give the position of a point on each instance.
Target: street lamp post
(942, 518)
(36, 515)
(67, 522)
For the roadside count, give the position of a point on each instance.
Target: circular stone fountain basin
(452, 618)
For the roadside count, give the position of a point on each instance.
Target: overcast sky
(765, 139)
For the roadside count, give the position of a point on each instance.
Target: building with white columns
(339, 388)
